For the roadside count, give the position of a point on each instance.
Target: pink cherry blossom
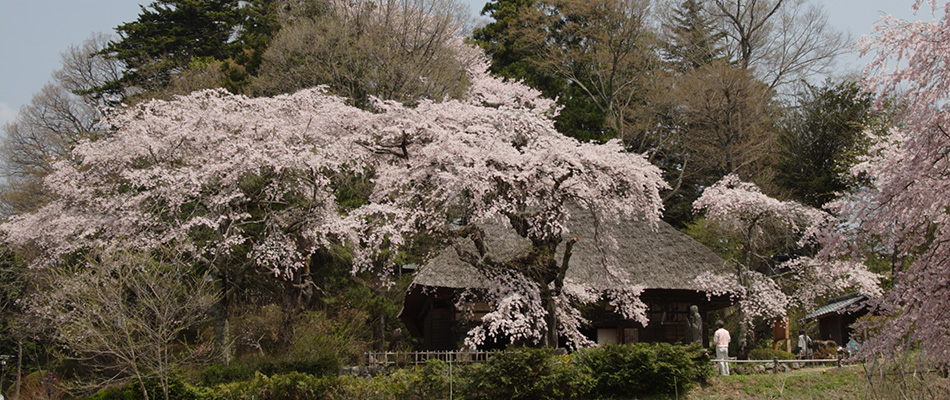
(904, 214)
(762, 223)
(209, 173)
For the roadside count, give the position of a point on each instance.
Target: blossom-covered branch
(905, 211)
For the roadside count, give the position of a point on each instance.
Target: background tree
(821, 139)
(516, 58)
(729, 115)
(123, 315)
(692, 38)
(84, 71)
(783, 41)
(606, 50)
(14, 286)
(171, 36)
(393, 50)
(64, 112)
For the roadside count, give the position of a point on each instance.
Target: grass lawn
(825, 383)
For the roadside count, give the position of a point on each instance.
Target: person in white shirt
(721, 340)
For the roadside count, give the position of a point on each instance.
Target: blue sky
(33, 33)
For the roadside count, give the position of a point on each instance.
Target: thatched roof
(657, 258)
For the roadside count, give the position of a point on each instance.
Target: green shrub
(343, 336)
(293, 385)
(433, 380)
(132, 391)
(525, 373)
(769, 354)
(326, 366)
(427, 382)
(626, 371)
(219, 373)
(241, 371)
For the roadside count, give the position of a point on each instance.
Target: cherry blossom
(228, 179)
(765, 224)
(209, 162)
(904, 214)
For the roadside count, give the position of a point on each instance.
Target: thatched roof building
(661, 259)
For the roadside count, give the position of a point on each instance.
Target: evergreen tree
(821, 139)
(172, 36)
(692, 37)
(512, 57)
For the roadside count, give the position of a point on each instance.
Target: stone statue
(694, 325)
(395, 341)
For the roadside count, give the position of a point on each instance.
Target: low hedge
(525, 373)
(645, 369)
(177, 390)
(769, 354)
(241, 371)
(292, 385)
(612, 372)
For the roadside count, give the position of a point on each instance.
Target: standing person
(721, 339)
(804, 345)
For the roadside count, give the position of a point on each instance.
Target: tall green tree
(692, 38)
(172, 36)
(517, 57)
(821, 139)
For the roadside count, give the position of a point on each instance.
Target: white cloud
(7, 114)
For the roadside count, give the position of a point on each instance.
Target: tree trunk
(222, 334)
(551, 337)
(549, 296)
(379, 333)
(743, 335)
(19, 367)
(743, 332)
(164, 381)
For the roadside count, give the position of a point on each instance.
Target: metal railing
(388, 358)
(420, 357)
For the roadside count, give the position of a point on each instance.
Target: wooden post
(780, 333)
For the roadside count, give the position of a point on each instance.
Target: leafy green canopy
(512, 57)
(169, 35)
(821, 140)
